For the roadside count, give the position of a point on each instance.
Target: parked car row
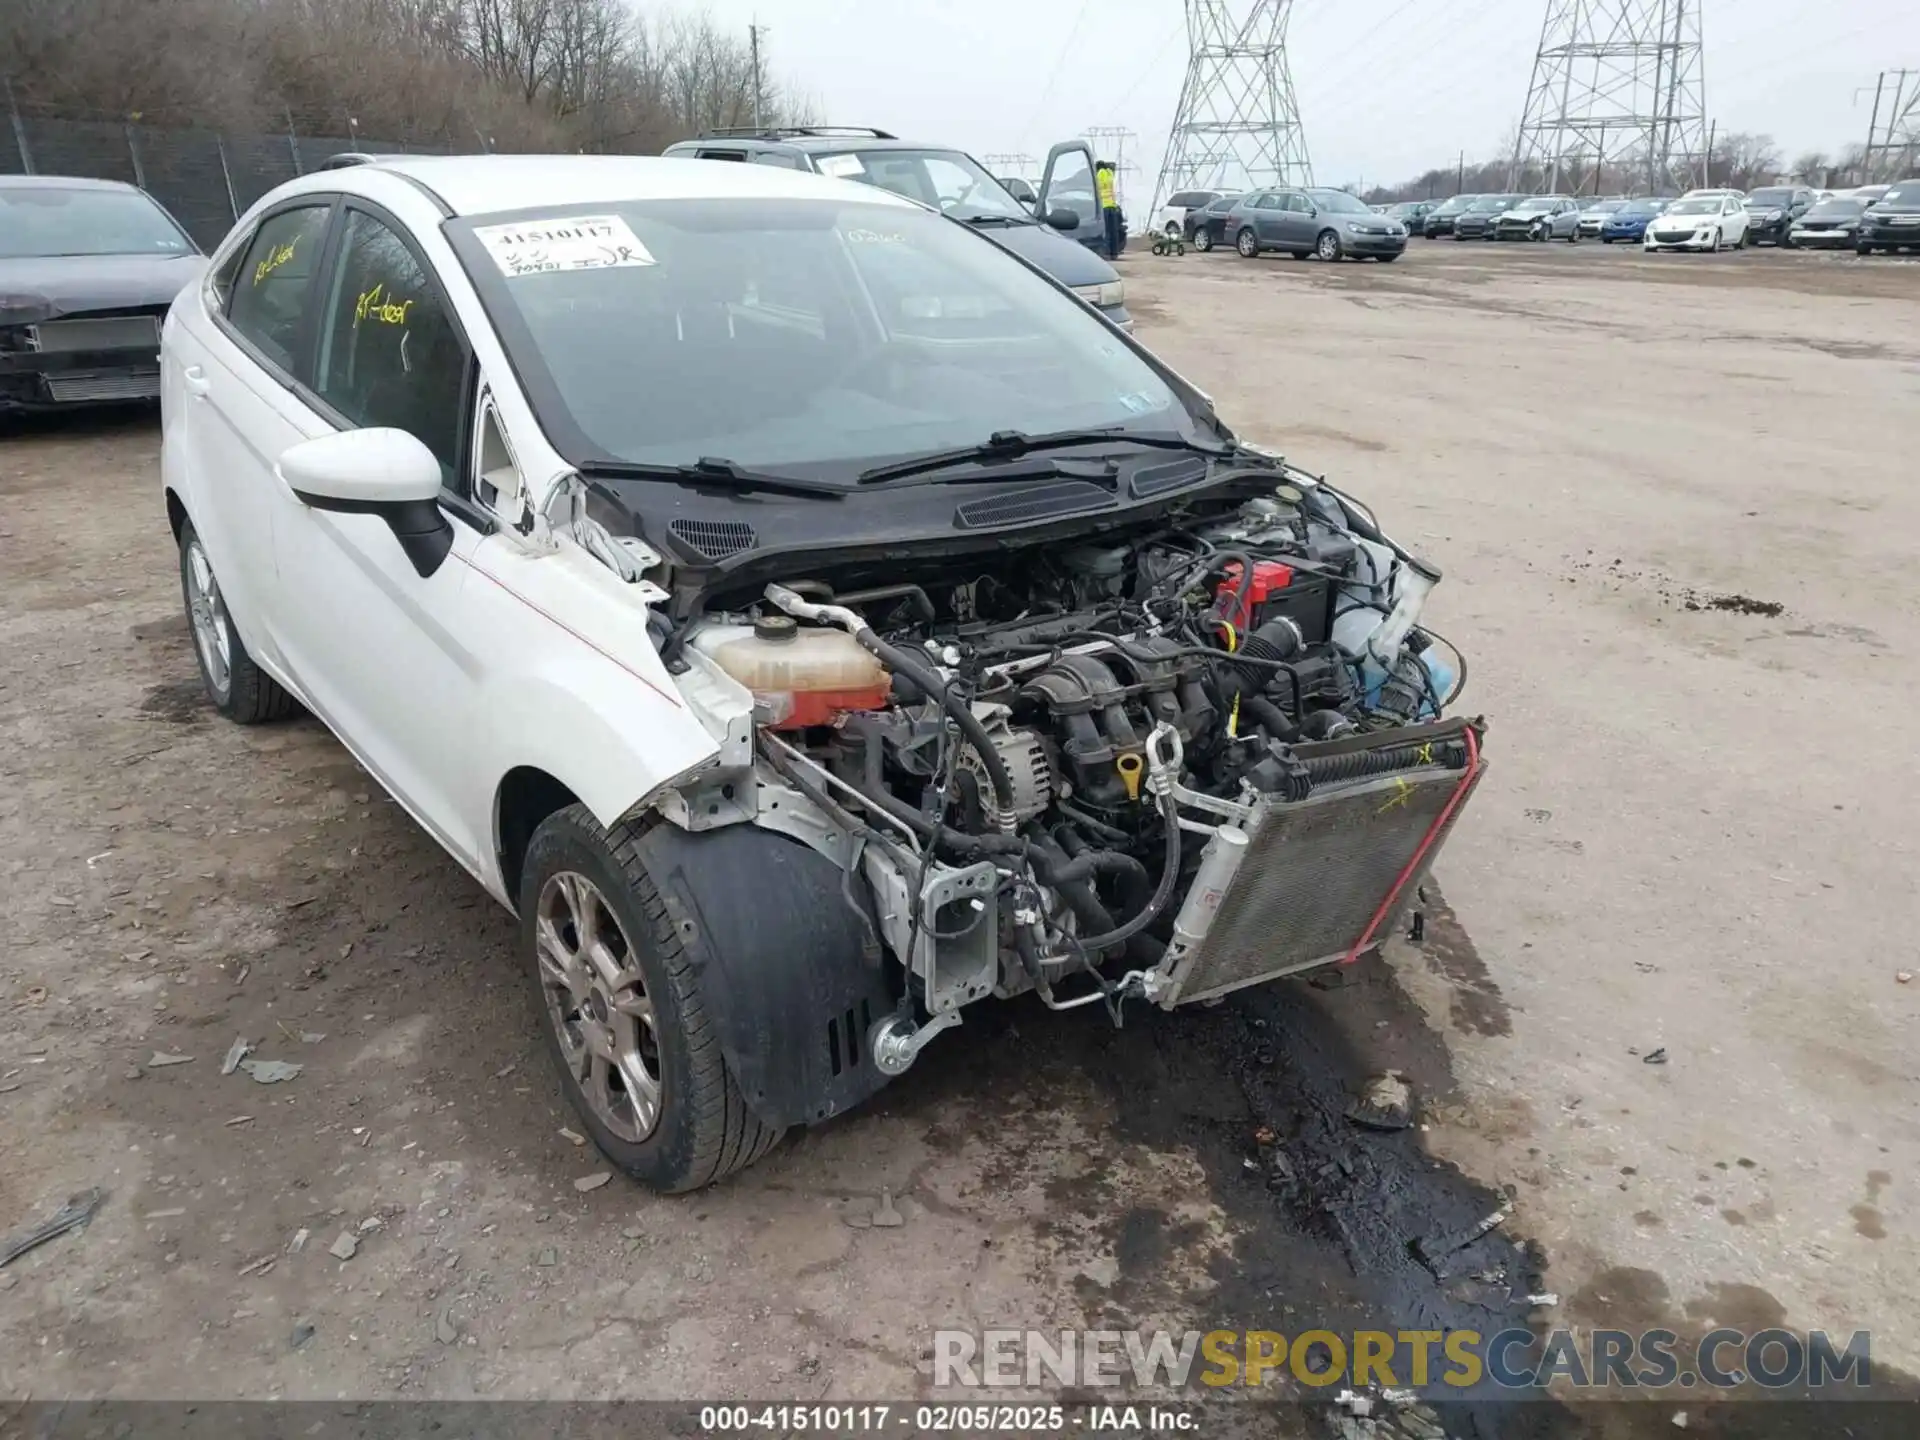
(1872, 217)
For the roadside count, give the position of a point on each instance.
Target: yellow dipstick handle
(1131, 768)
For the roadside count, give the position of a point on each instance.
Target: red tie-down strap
(1426, 844)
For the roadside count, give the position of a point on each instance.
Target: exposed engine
(1165, 763)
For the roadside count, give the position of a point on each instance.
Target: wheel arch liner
(790, 977)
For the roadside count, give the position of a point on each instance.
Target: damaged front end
(1171, 758)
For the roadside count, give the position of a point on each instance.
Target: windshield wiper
(988, 217)
(1012, 444)
(711, 470)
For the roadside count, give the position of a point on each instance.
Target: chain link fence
(205, 178)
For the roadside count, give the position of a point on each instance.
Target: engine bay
(1064, 768)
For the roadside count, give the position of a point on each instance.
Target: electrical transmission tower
(1893, 135)
(1237, 124)
(1617, 82)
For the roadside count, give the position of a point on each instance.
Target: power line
(1059, 64)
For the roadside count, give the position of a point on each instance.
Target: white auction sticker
(575, 242)
(841, 167)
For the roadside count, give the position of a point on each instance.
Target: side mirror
(379, 471)
(1061, 218)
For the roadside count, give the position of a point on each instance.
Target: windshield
(1534, 207)
(1639, 209)
(1456, 204)
(1765, 199)
(783, 334)
(1492, 203)
(949, 180)
(1902, 195)
(1605, 207)
(45, 220)
(1837, 209)
(1339, 202)
(1694, 207)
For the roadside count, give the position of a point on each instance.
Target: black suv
(1892, 222)
(953, 182)
(1772, 212)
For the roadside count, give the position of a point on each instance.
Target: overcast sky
(1386, 89)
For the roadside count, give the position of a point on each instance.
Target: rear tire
(1863, 249)
(238, 688)
(580, 878)
(1248, 244)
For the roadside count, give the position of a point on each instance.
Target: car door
(383, 652)
(1068, 184)
(237, 368)
(1734, 220)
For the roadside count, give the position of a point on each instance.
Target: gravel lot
(1673, 497)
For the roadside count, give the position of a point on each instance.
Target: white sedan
(1700, 222)
(808, 618)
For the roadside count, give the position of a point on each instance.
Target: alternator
(1026, 760)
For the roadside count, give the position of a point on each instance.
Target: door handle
(196, 381)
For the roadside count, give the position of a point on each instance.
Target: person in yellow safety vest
(1110, 221)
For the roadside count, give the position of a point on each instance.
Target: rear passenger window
(774, 157)
(270, 288)
(389, 353)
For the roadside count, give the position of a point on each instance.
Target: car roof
(812, 139)
(60, 182)
(483, 184)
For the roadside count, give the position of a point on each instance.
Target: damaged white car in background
(807, 617)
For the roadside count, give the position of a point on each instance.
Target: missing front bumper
(1318, 881)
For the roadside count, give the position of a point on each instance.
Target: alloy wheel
(207, 613)
(1329, 247)
(1247, 245)
(598, 1006)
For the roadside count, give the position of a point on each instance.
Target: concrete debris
(1903, 977)
(547, 1257)
(372, 1222)
(299, 1241)
(161, 1059)
(592, 1182)
(302, 1333)
(444, 1330)
(346, 1247)
(271, 1072)
(1102, 1272)
(885, 1216)
(171, 1213)
(1546, 1299)
(71, 1216)
(239, 1120)
(1385, 1103)
(857, 1215)
(260, 1266)
(312, 1037)
(1680, 1419)
(571, 1138)
(1354, 1402)
(1655, 1057)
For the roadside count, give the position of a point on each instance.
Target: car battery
(1279, 589)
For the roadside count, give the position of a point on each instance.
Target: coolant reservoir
(798, 676)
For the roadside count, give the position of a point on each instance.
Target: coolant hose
(872, 788)
(1045, 856)
(914, 669)
(1163, 892)
(1087, 865)
(894, 658)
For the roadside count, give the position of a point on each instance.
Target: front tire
(1203, 241)
(238, 688)
(622, 1008)
(1327, 247)
(1248, 244)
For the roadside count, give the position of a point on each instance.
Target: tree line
(1738, 160)
(590, 75)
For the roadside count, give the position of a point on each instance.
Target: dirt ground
(1673, 499)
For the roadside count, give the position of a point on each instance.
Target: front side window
(949, 180)
(389, 354)
(42, 221)
(797, 335)
(269, 294)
